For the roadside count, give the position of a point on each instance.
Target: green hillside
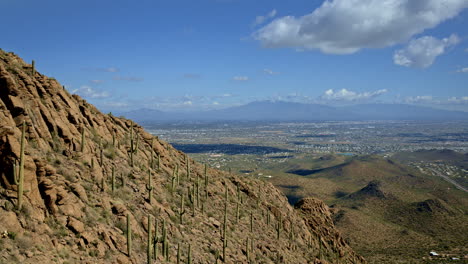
(384, 208)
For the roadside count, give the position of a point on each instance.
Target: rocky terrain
(74, 181)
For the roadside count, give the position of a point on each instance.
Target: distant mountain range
(289, 111)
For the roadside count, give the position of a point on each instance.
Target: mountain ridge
(291, 111)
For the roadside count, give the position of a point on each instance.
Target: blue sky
(207, 54)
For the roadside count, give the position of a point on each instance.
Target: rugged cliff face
(80, 186)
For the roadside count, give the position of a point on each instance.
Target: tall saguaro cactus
(159, 162)
(82, 138)
(206, 176)
(165, 241)
(177, 174)
(189, 254)
(129, 236)
(181, 210)
(178, 253)
(149, 187)
(188, 167)
(251, 221)
(198, 191)
(149, 246)
(226, 200)
(237, 204)
(279, 226)
(33, 68)
(113, 179)
(19, 176)
(133, 145)
(247, 251)
(173, 181)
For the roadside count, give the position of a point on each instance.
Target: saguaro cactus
(279, 226)
(19, 176)
(113, 179)
(177, 174)
(189, 255)
(216, 256)
(101, 154)
(133, 145)
(103, 184)
(193, 200)
(178, 253)
(166, 250)
(251, 221)
(159, 162)
(155, 240)
(181, 210)
(188, 167)
(247, 251)
(198, 191)
(149, 246)
(237, 204)
(173, 180)
(149, 187)
(82, 138)
(206, 176)
(33, 68)
(225, 241)
(129, 236)
(226, 200)
(151, 161)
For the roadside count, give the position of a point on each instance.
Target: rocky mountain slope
(85, 178)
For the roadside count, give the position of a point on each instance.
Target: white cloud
(270, 72)
(420, 99)
(431, 100)
(346, 26)
(88, 92)
(463, 70)
(240, 78)
(422, 52)
(458, 100)
(346, 95)
(97, 81)
(261, 19)
(179, 103)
